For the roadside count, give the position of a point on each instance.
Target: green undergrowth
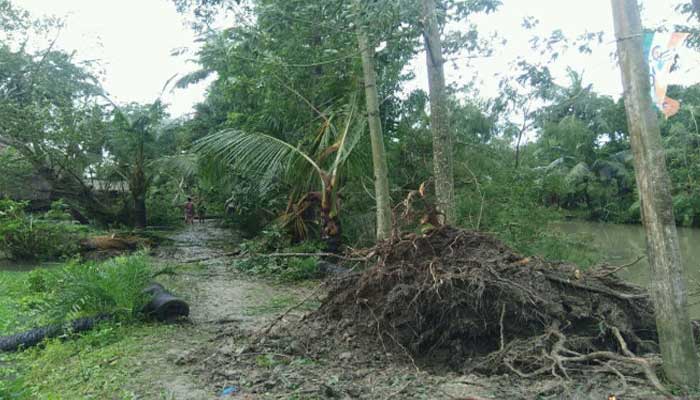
(281, 268)
(47, 236)
(97, 364)
(101, 364)
(72, 290)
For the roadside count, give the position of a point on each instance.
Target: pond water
(621, 244)
(24, 266)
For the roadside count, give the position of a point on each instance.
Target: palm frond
(184, 165)
(192, 78)
(252, 152)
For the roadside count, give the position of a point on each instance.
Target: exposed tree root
(463, 299)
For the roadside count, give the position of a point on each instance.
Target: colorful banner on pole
(661, 51)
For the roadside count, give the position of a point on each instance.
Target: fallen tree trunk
(163, 306)
(37, 335)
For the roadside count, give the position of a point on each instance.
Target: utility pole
(668, 292)
(443, 168)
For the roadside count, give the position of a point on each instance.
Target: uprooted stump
(463, 299)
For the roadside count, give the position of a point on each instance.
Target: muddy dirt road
(219, 299)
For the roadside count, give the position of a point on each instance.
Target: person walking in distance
(189, 211)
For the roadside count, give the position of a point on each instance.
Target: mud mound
(464, 299)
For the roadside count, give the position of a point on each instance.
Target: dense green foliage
(24, 236)
(60, 293)
(113, 287)
(284, 94)
(287, 268)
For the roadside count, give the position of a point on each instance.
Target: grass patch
(112, 361)
(20, 307)
(99, 364)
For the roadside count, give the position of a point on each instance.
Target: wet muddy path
(220, 299)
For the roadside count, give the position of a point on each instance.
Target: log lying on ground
(113, 242)
(163, 307)
(37, 335)
(464, 299)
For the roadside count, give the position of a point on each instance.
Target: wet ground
(219, 297)
(223, 349)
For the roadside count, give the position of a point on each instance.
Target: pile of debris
(464, 299)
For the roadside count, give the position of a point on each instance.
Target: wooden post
(668, 292)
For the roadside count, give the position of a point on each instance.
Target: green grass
(94, 365)
(20, 308)
(99, 364)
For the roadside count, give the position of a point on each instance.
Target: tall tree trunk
(517, 149)
(381, 180)
(330, 223)
(439, 122)
(667, 285)
(138, 193)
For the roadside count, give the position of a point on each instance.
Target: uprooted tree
(462, 298)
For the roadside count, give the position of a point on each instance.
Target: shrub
(26, 237)
(113, 287)
(36, 280)
(282, 268)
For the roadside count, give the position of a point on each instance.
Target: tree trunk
(330, 223)
(138, 189)
(439, 122)
(667, 285)
(381, 180)
(517, 149)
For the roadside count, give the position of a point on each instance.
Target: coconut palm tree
(269, 158)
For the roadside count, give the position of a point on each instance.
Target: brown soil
(112, 242)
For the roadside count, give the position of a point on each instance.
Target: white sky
(133, 39)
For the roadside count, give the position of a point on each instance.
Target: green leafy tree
(51, 114)
(133, 145)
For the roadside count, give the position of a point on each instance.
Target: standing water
(621, 244)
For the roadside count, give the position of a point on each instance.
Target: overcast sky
(133, 40)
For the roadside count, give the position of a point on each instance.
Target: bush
(513, 211)
(113, 287)
(25, 237)
(282, 268)
(36, 280)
